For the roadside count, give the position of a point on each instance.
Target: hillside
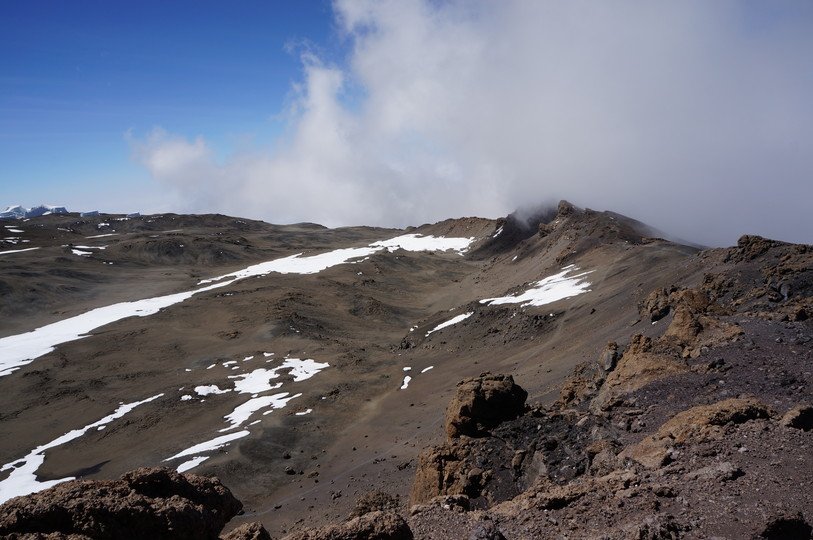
(307, 367)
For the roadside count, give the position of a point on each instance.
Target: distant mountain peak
(20, 212)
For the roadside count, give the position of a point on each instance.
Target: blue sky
(76, 76)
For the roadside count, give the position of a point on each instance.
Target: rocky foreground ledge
(697, 425)
(144, 503)
(159, 503)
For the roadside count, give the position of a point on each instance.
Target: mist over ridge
(692, 117)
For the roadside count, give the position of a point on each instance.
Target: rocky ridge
(665, 437)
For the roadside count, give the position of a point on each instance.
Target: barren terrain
(325, 375)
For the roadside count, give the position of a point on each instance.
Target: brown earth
(686, 328)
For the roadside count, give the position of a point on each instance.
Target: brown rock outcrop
(371, 526)
(786, 527)
(248, 531)
(441, 471)
(750, 247)
(581, 385)
(692, 328)
(640, 364)
(584, 382)
(145, 503)
(656, 305)
(799, 417)
(482, 403)
(375, 501)
(696, 424)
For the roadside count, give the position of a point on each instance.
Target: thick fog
(695, 117)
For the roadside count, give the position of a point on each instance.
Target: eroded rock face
(656, 305)
(482, 403)
(799, 417)
(375, 501)
(441, 471)
(750, 247)
(587, 378)
(786, 527)
(555, 445)
(640, 364)
(248, 531)
(145, 503)
(693, 425)
(371, 526)
(633, 457)
(692, 327)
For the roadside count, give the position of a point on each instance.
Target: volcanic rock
(144, 503)
(696, 424)
(486, 530)
(371, 526)
(656, 306)
(375, 501)
(799, 417)
(248, 531)
(640, 364)
(482, 403)
(787, 527)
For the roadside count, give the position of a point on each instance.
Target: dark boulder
(248, 531)
(145, 503)
(371, 526)
(481, 403)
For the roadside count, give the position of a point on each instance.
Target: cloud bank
(693, 116)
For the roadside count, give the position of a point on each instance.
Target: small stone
(486, 530)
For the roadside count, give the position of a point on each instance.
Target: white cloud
(692, 116)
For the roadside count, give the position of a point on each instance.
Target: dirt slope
(370, 320)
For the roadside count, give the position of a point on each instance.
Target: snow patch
(552, 288)
(23, 477)
(192, 463)
(259, 380)
(15, 251)
(210, 389)
(297, 264)
(19, 350)
(208, 446)
(450, 322)
(244, 411)
(416, 242)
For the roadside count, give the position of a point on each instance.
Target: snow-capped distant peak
(20, 212)
(13, 212)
